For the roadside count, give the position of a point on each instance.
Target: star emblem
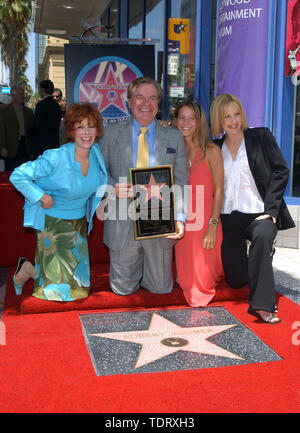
(178, 28)
(164, 337)
(111, 91)
(152, 189)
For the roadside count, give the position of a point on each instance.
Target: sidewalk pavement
(286, 264)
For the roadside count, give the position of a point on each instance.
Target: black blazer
(270, 172)
(46, 123)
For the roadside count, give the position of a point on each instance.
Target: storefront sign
(242, 53)
(179, 35)
(173, 62)
(177, 92)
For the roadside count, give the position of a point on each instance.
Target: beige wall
(53, 66)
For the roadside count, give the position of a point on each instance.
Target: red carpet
(101, 297)
(45, 367)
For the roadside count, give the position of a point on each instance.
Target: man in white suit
(141, 263)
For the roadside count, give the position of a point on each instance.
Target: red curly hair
(76, 113)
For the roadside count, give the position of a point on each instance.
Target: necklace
(191, 156)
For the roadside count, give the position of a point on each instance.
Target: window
(114, 11)
(136, 19)
(181, 54)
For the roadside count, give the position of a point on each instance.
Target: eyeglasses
(151, 99)
(234, 118)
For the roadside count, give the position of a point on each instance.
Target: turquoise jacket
(53, 172)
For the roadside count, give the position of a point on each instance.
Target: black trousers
(255, 268)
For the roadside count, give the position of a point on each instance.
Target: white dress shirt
(240, 191)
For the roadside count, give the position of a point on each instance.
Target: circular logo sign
(103, 82)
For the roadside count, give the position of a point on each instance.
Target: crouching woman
(62, 189)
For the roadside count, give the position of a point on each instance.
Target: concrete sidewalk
(286, 263)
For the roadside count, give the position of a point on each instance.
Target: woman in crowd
(198, 254)
(256, 175)
(62, 189)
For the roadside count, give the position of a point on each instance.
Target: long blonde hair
(200, 135)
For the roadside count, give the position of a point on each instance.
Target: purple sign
(242, 54)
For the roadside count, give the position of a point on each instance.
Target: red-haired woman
(62, 189)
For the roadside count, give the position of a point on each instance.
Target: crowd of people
(242, 173)
(24, 134)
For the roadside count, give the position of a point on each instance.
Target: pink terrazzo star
(164, 337)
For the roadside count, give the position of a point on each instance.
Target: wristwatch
(214, 221)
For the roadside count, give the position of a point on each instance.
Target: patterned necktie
(143, 151)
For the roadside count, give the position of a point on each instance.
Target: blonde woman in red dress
(198, 254)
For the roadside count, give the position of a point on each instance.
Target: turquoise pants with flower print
(62, 267)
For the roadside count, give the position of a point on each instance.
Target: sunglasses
(181, 102)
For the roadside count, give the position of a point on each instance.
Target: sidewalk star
(164, 337)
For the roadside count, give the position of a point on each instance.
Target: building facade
(50, 60)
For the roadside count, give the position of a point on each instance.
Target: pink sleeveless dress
(199, 270)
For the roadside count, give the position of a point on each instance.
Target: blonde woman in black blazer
(256, 175)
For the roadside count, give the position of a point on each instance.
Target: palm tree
(14, 23)
(24, 82)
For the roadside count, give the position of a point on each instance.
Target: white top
(240, 191)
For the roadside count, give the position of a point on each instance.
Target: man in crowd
(15, 130)
(46, 123)
(57, 95)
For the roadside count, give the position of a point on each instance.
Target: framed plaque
(153, 203)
